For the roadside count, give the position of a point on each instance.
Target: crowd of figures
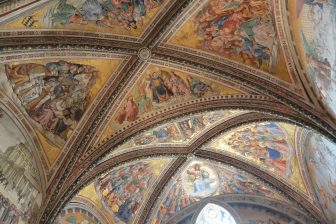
(123, 190)
(55, 95)
(178, 131)
(128, 14)
(238, 27)
(265, 143)
(157, 88)
(9, 214)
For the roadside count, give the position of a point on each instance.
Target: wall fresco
(313, 25)
(126, 17)
(20, 184)
(203, 179)
(55, 94)
(320, 155)
(160, 87)
(243, 31)
(268, 145)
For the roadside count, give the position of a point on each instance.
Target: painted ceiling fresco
(239, 31)
(55, 94)
(160, 87)
(320, 156)
(124, 17)
(212, 79)
(20, 183)
(268, 145)
(313, 26)
(121, 192)
(179, 132)
(201, 179)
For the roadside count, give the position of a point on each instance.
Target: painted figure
(200, 178)
(157, 88)
(123, 190)
(242, 28)
(231, 181)
(129, 112)
(267, 144)
(128, 14)
(55, 95)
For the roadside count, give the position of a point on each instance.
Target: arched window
(214, 214)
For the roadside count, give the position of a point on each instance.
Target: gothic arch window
(214, 214)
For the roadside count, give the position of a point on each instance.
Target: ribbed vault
(100, 88)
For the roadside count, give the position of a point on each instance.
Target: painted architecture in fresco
(20, 189)
(200, 180)
(78, 213)
(321, 162)
(314, 25)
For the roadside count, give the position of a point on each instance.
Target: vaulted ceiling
(164, 111)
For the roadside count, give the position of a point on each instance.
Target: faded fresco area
(268, 145)
(253, 214)
(313, 25)
(55, 94)
(203, 179)
(123, 190)
(159, 88)
(126, 17)
(20, 187)
(320, 155)
(243, 31)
